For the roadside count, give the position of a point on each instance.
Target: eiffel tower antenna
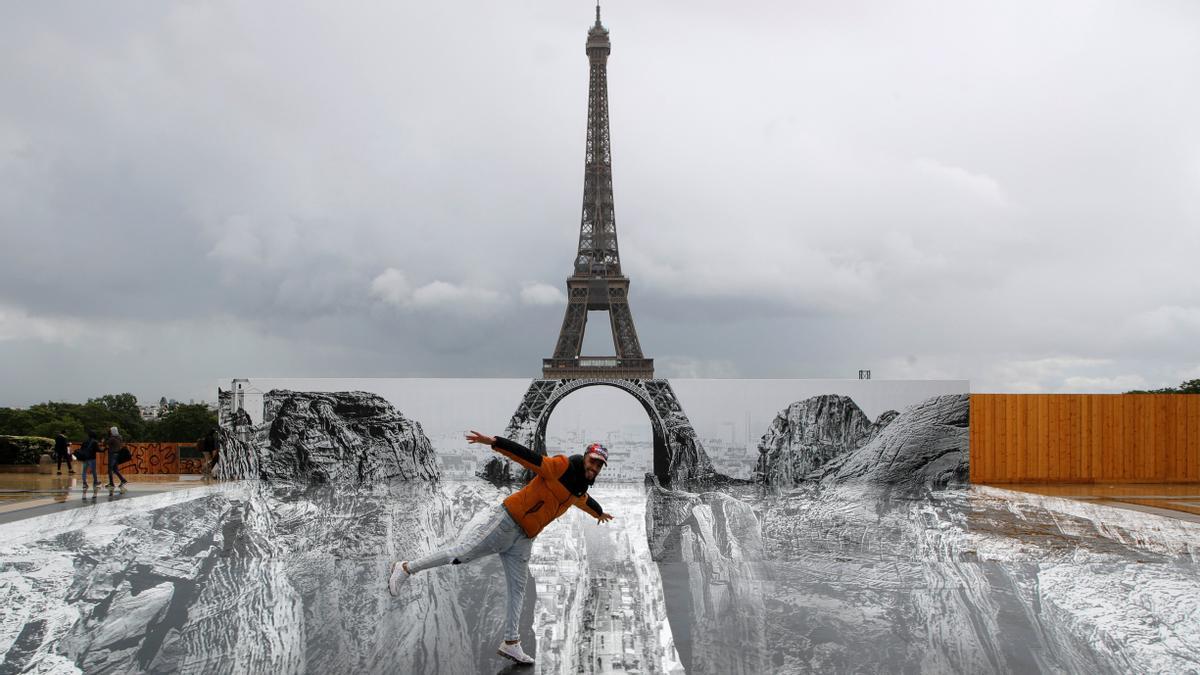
(597, 283)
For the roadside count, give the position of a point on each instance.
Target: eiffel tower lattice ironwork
(598, 284)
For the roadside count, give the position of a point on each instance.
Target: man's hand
(476, 437)
(604, 518)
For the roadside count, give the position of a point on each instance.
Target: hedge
(24, 449)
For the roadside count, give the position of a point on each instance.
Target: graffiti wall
(156, 458)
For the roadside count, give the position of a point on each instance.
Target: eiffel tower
(597, 284)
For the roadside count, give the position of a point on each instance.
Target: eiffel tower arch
(598, 284)
(678, 453)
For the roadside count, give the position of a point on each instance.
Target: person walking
(62, 451)
(508, 529)
(208, 446)
(87, 454)
(113, 444)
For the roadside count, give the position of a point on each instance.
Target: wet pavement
(26, 495)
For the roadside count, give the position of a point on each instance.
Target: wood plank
(1075, 437)
(1031, 440)
(1043, 437)
(1014, 408)
(988, 408)
(1085, 437)
(1089, 454)
(1033, 443)
(1193, 462)
(1167, 440)
(1162, 436)
(1179, 441)
(1045, 417)
(1193, 455)
(1150, 432)
(1061, 455)
(1139, 439)
(1049, 428)
(1054, 437)
(1158, 417)
(1054, 449)
(1127, 449)
(1000, 467)
(1165, 436)
(1115, 438)
(1027, 415)
(1006, 413)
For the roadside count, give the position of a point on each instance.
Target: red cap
(598, 451)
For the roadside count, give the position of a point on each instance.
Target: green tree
(1187, 387)
(119, 410)
(15, 422)
(184, 423)
(68, 425)
(76, 419)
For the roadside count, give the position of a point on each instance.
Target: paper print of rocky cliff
(829, 439)
(832, 532)
(773, 431)
(862, 549)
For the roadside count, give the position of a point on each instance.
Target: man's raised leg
(481, 536)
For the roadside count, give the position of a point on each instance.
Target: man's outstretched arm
(510, 449)
(592, 508)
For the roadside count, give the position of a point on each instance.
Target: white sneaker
(514, 652)
(397, 576)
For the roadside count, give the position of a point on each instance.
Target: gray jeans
(491, 531)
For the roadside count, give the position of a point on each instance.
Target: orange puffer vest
(544, 498)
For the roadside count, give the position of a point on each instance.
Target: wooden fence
(156, 458)
(1085, 438)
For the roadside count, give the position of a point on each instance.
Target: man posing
(508, 529)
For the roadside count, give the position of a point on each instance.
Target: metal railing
(597, 365)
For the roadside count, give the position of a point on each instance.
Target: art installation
(874, 555)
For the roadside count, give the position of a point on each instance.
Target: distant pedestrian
(208, 448)
(87, 454)
(114, 445)
(216, 451)
(62, 451)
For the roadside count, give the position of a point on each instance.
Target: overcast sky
(1002, 192)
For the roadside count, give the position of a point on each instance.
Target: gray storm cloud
(1009, 194)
